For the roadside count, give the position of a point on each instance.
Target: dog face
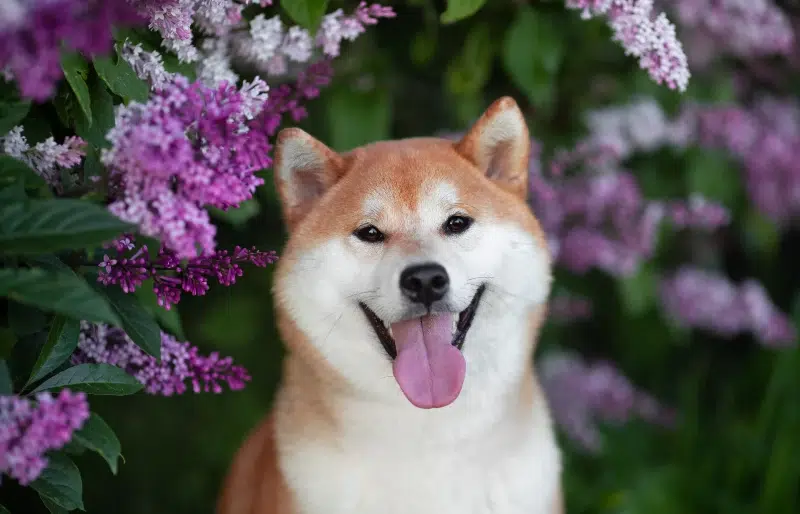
(416, 258)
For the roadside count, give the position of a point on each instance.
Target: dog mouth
(426, 352)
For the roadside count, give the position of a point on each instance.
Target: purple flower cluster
(592, 208)
(766, 138)
(581, 394)
(189, 147)
(596, 220)
(180, 362)
(706, 300)
(289, 98)
(644, 35)
(29, 429)
(173, 19)
(33, 32)
(750, 28)
(130, 266)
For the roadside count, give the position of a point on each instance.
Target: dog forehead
(418, 200)
(414, 175)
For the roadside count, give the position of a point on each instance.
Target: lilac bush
(154, 169)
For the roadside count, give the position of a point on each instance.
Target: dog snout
(424, 283)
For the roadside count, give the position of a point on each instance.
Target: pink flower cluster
(706, 300)
(180, 362)
(582, 394)
(130, 266)
(189, 147)
(32, 34)
(644, 35)
(29, 429)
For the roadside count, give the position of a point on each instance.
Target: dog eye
(369, 234)
(456, 224)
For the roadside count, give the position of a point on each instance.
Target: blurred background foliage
(735, 447)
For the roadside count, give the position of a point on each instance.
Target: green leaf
(103, 112)
(61, 342)
(13, 170)
(75, 71)
(639, 290)
(4, 510)
(57, 291)
(93, 379)
(358, 117)
(97, 436)
(11, 114)
(121, 79)
(460, 9)
(24, 320)
(532, 54)
(168, 320)
(467, 74)
(40, 226)
(306, 13)
(60, 483)
(52, 507)
(711, 174)
(136, 321)
(8, 339)
(6, 386)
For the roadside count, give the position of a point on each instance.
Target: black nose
(424, 283)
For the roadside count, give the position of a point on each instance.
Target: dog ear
(499, 145)
(304, 170)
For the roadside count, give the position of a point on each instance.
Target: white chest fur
(423, 462)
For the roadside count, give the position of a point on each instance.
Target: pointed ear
(499, 145)
(304, 169)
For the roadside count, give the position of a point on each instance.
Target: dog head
(417, 258)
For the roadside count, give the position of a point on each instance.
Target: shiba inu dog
(409, 296)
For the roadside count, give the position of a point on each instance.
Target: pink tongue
(428, 368)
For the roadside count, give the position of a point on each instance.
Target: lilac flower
(290, 98)
(596, 220)
(580, 395)
(270, 48)
(29, 429)
(47, 156)
(189, 147)
(750, 28)
(147, 65)
(568, 307)
(130, 267)
(650, 38)
(765, 138)
(32, 36)
(180, 362)
(698, 213)
(710, 301)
